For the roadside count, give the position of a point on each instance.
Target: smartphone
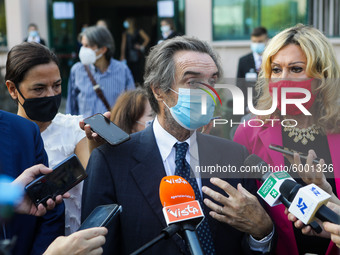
(64, 177)
(101, 216)
(290, 152)
(107, 129)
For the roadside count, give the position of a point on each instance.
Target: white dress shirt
(258, 60)
(166, 142)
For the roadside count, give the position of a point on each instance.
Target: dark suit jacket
(42, 41)
(22, 147)
(130, 174)
(245, 64)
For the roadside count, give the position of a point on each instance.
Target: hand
(93, 139)
(241, 209)
(306, 229)
(84, 242)
(27, 206)
(311, 173)
(333, 229)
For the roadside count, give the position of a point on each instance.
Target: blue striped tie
(183, 170)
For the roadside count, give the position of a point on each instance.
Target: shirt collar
(166, 141)
(108, 70)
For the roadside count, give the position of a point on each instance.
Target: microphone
(271, 182)
(308, 202)
(180, 207)
(181, 211)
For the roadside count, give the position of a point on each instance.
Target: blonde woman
(299, 57)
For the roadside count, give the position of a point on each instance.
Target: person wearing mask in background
(84, 242)
(22, 147)
(250, 64)
(168, 29)
(134, 43)
(33, 35)
(298, 57)
(33, 80)
(132, 111)
(130, 173)
(110, 77)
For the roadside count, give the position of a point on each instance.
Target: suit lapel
(149, 173)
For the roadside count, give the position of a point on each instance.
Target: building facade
(226, 24)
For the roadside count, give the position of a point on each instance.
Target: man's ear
(158, 93)
(12, 90)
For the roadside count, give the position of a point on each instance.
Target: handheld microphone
(181, 211)
(308, 202)
(271, 182)
(180, 207)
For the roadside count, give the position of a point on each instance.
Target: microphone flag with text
(178, 200)
(181, 211)
(308, 202)
(271, 183)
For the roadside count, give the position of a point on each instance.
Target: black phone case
(43, 188)
(111, 137)
(101, 216)
(290, 152)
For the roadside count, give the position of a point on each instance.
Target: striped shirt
(83, 100)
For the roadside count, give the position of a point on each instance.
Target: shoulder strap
(97, 89)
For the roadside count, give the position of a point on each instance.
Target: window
(3, 31)
(235, 19)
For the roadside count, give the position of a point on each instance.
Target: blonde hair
(321, 64)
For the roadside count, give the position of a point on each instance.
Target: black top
(131, 53)
(310, 244)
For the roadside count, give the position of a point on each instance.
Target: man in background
(33, 35)
(249, 65)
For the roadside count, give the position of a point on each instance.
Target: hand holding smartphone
(101, 216)
(290, 152)
(110, 132)
(64, 176)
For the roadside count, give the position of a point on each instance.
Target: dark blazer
(21, 147)
(245, 63)
(42, 41)
(129, 174)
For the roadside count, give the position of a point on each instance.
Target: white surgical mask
(88, 56)
(188, 110)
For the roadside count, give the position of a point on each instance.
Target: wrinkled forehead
(194, 62)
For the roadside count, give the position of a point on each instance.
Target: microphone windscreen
(252, 160)
(288, 189)
(175, 190)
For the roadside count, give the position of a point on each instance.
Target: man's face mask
(258, 47)
(188, 110)
(41, 109)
